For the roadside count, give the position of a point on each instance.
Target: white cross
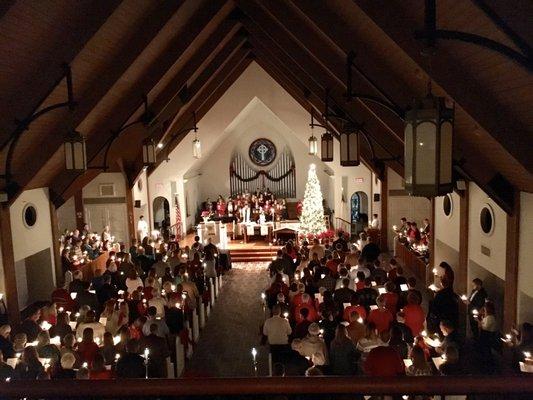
(262, 150)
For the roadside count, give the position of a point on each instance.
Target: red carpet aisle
(225, 345)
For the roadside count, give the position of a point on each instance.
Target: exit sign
(359, 180)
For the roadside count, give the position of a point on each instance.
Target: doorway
(359, 212)
(161, 219)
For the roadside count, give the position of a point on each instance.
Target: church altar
(214, 230)
(263, 230)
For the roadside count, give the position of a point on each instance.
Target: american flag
(178, 225)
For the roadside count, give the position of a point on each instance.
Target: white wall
(192, 191)
(140, 193)
(446, 229)
(66, 215)
(525, 272)
(254, 82)
(29, 241)
(496, 242)
(101, 211)
(256, 121)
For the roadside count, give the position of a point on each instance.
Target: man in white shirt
(277, 329)
(374, 224)
(142, 228)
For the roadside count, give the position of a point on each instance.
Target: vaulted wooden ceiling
(184, 54)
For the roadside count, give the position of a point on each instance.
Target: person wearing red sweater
(390, 298)
(384, 361)
(354, 306)
(414, 314)
(307, 303)
(381, 317)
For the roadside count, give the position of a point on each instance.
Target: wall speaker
(137, 203)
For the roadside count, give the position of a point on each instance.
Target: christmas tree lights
(312, 218)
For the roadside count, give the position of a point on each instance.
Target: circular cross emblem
(262, 152)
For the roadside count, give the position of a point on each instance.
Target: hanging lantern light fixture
(349, 146)
(196, 148)
(75, 153)
(326, 153)
(428, 147)
(313, 142)
(196, 144)
(149, 148)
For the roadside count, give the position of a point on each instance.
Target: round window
(447, 205)
(29, 215)
(486, 219)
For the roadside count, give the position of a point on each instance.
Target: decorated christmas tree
(312, 218)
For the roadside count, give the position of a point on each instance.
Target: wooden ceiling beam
(218, 69)
(33, 90)
(466, 91)
(66, 189)
(95, 89)
(274, 37)
(304, 98)
(172, 110)
(204, 21)
(211, 47)
(205, 100)
(330, 56)
(308, 78)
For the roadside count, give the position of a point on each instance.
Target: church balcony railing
(508, 387)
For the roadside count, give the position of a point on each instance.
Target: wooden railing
(510, 386)
(342, 224)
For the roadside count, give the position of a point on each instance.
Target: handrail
(442, 385)
(344, 220)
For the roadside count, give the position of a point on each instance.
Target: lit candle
(464, 297)
(254, 354)
(178, 305)
(286, 314)
(146, 353)
(263, 296)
